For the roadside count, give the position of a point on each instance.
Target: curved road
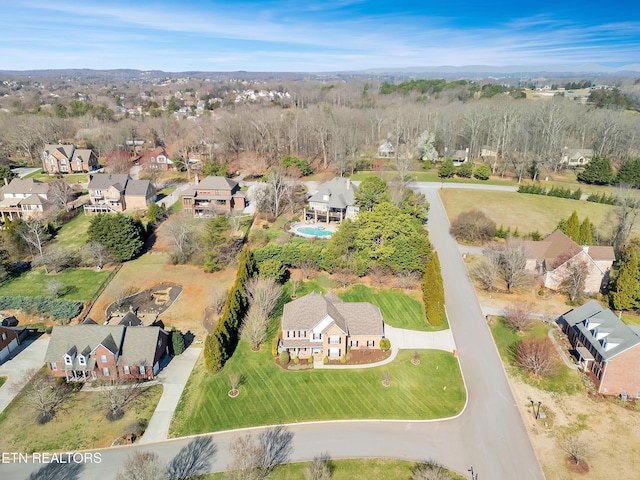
(489, 435)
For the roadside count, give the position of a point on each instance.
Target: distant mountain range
(445, 71)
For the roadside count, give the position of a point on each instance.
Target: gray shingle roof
(354, 318)
(65, 149)
(137, 188)
(337, 193)
(63, 339)
(598, 324)
(33, 200)
(25, 186)
(103, 181)
(130, 320)
(217, 183)
(139, 347)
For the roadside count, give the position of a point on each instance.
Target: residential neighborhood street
(489, 435)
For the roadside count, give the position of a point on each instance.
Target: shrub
(385, 344)
(274, 346)
(57, 309)
(473, 226)
(284, 357)
(343, 359)
(310, 360)
(433, 292)
(48, 330)
(325, 360)
(296, 360)
(177, 341)
(482, 172)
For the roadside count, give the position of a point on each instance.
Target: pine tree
(433, 292)
(624, 292)
(586, 237)
(573, 227)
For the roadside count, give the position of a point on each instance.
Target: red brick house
(607, 349)
(213, 195)
(89, 352)
(66, 158)
(156, 159)
(323, 326)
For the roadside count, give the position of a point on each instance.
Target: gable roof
(138, 188)
(337, 193)
(602, 253)
(83, 154)
(354, 318)
(104, 181)
(25, 186)
(558, 247)
(606, 324)
(153, 154)
(140, 345)
(10, 334)
(217, 183)
(62, 150)
(130, 320)
(65, 338)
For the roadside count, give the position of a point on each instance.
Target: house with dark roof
(66, 158)
(87, 352)
(333, 201)
(323, 326)
(607, 349)
(211, 196)
(10, 338)
(156, 159)
(114, 193)
(23, 197)
(555, 257)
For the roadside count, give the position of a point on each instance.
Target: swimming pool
(313, 231)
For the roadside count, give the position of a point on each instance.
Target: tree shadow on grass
(194, 459)
(58, 471)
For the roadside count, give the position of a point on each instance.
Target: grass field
(270, 395)
(80, 423)
(429, 176)
(79, 284)
(352, 469)
(71, 178)
(73, 235)
(525, 212)
(399, 309)
(563, 380)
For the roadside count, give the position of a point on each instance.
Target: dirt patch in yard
(151, 302)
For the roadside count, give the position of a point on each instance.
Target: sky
(312, 35)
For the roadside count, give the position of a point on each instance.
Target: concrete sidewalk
(173, 379)
(19, 369)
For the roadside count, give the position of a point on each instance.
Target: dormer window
(82, 360)
(68, 360)
(586, 324)
(604, 343)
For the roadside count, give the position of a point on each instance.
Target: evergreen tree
(154, 213)
(624, 293)
(177, 341)
(433, 292)
(483, 172)
(598, 171)
(371, 192)
(629, 173)
(586, 236)
(121, 234)
(447, 169)
(572, 227)
(465, 170)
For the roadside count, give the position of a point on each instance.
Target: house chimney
(348, 184)
(6, 182)
(196, 179)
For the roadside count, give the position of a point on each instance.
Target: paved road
(21, 367)
(489, 435)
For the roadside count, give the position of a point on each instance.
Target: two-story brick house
(323, 326)
(89, 352)
(211, 196)
(114, 193)
(66, 158)
(607, 349)
(157, 159)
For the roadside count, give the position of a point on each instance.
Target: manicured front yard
(563, 380)
(270, 395)
(399, 309)
(352, 469)
(79, 424)
(79, 284)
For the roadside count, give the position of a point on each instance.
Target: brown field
(525, 212)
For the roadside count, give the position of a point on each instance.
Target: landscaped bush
(274, 346)
(343, 359)
(177, 341)
(433, 292)
(602, 198)
(473, 226)
(58, 309)
(296, 360)
(559, 192)
(284, 357)
(385, 344)
(325, 360)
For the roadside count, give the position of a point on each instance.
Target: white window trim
(54, 366)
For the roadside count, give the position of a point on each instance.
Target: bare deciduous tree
(142, 465)
(408, 280)
(95, 254)
(118, 161)
(54, 287)
(44, 395)
(575, 446)
(35, 233)
(263, 294)
(574, 280)
(60, 194)
(217, 298)
(254, 328)
(343, 276)
(184, 240)
(319, 468)
(512, 262)
(120, 393)
(308, 268)
(518, 316)
(536, 355)
(429, 471)
(256, 459)
(193, 460)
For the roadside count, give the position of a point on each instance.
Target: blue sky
(313, 36)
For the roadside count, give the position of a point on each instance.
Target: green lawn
(71, 178)
(563, 380)
(81, 284)
(429, 176)
(398, 308)
(270, 395)
(525, 212)
(352, 469)
(73, 234)
(631, 318)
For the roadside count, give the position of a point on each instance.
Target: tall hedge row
(433, 292)
(220, 345)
